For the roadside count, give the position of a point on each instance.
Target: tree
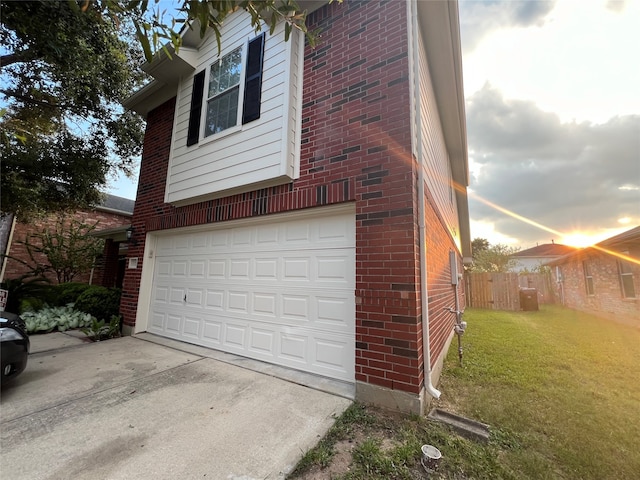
(67, 250)
(64, 73)
(478, 245)
(492, 258)
(65, 69)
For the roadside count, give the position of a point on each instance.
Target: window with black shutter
(253, 80)
(224, 93)
(193, 133)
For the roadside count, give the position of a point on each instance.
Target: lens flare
(575, 239)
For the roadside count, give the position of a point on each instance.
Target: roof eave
(440, 27)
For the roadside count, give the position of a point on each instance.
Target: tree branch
(31, 100)
(11, 58)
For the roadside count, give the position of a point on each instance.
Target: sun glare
(579, 240)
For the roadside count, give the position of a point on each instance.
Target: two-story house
(308, 207)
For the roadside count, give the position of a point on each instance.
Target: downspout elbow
(433, 391)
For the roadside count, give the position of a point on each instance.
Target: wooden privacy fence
(501, 291)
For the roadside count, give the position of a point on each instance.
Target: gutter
(426, 348)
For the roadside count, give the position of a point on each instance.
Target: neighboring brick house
(113, 215)
(533, 258)
(306, 207)
(603, 279)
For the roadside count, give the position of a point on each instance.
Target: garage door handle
(185, 298)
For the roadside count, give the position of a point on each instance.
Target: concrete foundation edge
(398, 400)
(127, 330)
(436, 371)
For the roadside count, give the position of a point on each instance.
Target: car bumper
(15, 354)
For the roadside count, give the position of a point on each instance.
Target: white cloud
(580, 62)
(568, 177)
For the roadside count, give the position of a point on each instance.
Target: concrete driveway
(129, 408)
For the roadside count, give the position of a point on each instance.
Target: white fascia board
(168, 68)
(149, 97)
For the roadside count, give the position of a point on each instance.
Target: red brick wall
(440, 290)
(356, 146)
(607, 300)
(15, 269)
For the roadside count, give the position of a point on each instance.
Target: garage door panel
(178, 269)
(262, 341)
(329, 351)
(215, 299)
(264, 304)
(161, 294)
(157, 322)
(217, 269)
(241, 237)
(295, 307)
(191, 327)
(163, 269)
(296, 269)
(266, 269)
(280, 292)
(173, 323)
(294, 348)
(212, 332)
(268, 236)
(197, 269)
(234, 335)
(334, 310)
(177, 295)
(239, 269)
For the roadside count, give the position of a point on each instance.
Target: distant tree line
(491, 258)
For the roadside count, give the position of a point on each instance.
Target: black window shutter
(253, 80)
(193, 133)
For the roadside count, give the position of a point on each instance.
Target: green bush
(29, 304)
(69, 292)
(101, 302)
(49, 318)
(100, 330)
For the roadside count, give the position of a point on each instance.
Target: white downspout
(424, 299)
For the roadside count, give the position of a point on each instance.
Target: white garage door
(281, 292)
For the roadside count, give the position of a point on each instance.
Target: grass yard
(560, 390)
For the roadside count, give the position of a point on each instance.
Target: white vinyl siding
(280, 291)
(436, 161)
(260, 153)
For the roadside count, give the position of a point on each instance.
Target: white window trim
(204, 139)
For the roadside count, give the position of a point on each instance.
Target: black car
(14, 345)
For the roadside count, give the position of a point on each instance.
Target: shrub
(69, 292)
(100, 330)
(101, 302)
(49, 318)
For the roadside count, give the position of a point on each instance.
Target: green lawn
(561, 388)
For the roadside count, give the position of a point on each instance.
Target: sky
(553, 119)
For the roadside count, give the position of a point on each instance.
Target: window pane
(222, 112)
(214, 81)
(628, 288)
(225, 73)
(590, 286)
